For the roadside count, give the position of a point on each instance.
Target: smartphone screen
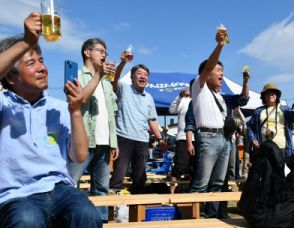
(70, 72)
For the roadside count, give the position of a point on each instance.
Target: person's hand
(220, 37)
(109, 68)
(255, 144)
(191, 149)
(32, 28)
(246, 75)
(162, 145)
(114, 152)
(75, 96)
(269, 134)
(123, 57)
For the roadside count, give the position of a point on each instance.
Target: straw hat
(270, 86)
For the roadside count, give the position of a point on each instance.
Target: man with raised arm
(212, 147)
(38, 135)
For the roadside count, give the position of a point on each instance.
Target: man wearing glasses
(98, 113)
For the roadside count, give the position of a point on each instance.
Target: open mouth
(142, 81)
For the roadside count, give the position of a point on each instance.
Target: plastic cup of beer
(110, 77)
(222, 29)
(246, 70)
(50, 10)
(129, 53)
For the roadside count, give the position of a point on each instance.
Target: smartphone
(70, 72)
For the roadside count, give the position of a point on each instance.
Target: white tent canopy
(254, 100)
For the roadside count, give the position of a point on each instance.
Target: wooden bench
(138, 203)
(187, 223)
(197, 198)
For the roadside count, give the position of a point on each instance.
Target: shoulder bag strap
(217, 102)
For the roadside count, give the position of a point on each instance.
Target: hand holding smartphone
(70, 72)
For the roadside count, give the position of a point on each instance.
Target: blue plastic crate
(161, 213)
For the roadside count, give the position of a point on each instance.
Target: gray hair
(7, 43)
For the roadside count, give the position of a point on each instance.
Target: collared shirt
(90, 109)
(134, 112)
(34, 144)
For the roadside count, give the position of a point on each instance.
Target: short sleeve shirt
(34, 144)
(134, 112)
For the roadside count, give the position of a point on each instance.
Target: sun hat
(270, 86)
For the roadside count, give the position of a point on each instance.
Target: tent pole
(165, 128)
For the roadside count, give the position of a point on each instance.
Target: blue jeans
(212, 156)
(98, 162)
(65, 206)
(134, 152)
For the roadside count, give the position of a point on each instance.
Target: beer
(110, 77)
(129, 56)
(129, 53)
(222, 29)
(246, 71)
(51, 27)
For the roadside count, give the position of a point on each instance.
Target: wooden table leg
(137, 213)
(196, 210)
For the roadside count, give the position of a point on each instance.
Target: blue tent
(164, 87)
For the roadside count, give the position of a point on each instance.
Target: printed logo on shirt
(51, 138)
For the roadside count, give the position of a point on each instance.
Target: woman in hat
(272, 121)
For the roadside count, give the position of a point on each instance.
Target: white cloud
(12, 23)
(14, 12)
(274, 46)
(144, 51)
(286, 77)
(122, 26)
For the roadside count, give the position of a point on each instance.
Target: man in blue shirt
(38, 135)
(136, 114)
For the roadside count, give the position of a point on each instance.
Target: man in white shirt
(212, 147)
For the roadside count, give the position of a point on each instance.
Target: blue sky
(172, 35)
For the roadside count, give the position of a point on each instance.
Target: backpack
(267, 199)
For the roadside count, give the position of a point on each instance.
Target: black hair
(203, 64)
(135, 68)
(262, 97)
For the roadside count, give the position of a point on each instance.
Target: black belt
(212, 130)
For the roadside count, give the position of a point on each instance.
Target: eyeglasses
(100, 51)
